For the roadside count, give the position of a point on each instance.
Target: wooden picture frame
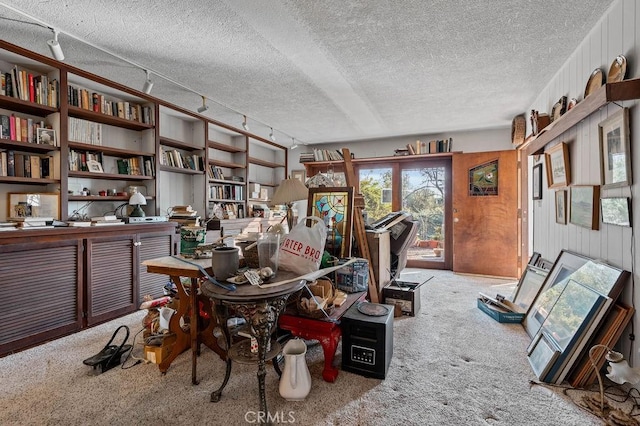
(616, 211)
(94, 166)
(615, 154)
(561, 206)
(334, 205)
(558, 166)
(536, 185)
(584, 206)
(565, 264)
(301, 175)
(34, 204)
(46, 136)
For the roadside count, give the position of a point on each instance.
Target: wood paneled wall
(616, 33)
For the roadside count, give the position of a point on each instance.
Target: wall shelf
(609, 92)
(110, 120)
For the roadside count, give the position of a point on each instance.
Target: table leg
(182, 339)
(222, 314)
(193, 328)
(329, 346)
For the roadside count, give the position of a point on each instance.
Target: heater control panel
(363, 355)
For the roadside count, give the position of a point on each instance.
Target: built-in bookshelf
(92, 141)
(268, 168)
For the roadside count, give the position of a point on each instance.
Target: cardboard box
(156, 354)
(404, 294)
(499, 314)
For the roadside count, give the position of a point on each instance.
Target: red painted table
(326, 330)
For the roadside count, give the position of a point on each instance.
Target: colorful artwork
(483, 179)
(335, 207)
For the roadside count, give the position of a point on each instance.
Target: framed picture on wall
(558, 166)
(616, 210)
(301, 175)
(334, 205)
(615, 158)
(536, 176)
(561, 206)
(584, 209)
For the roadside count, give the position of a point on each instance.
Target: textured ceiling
(321, 70)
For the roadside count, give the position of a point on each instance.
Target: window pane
(375, 187)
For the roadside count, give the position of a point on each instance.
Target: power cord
(130, 354)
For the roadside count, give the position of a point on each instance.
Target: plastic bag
(302, 248)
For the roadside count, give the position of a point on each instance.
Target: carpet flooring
(452, 365)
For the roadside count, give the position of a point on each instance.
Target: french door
(423, 189)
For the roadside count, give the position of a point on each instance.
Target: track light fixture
(294, 145)
(54, 46)
(204, 106)
(245, 126)
(271, 135)
(148, 85)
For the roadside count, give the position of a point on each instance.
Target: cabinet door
(110, 278)
(41, 293)
(152, 246)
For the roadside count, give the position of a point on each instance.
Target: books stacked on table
(106, 220)
(8, 226)
(184, 215)
(33, 222)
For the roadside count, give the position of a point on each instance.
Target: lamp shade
(289, 191)
(619, 369)
(137, 199)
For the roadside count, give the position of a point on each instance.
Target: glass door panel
(423, 196)
(375, 187)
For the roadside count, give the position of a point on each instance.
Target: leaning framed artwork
(536, 188)
(615, 155)
(558, 166)
(335, 206)
(34, 204)
(584, 209)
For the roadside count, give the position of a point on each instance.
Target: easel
(358, 225)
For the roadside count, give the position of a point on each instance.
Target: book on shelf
(79, 223)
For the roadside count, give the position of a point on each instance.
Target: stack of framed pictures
(575, 300)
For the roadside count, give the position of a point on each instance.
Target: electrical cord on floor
(130, 354)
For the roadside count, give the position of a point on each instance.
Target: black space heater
(367, 339)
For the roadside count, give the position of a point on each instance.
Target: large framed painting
(558, 166)
(615, 156)
(335, 206)
(483, 179)
(584, 209)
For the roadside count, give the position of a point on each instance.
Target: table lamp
(137, 200)
(289, 191)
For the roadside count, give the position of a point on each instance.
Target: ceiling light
(54, 46)
(204, 106)
(148, 85)
(294, 145)
(271, 135)
(245, 126)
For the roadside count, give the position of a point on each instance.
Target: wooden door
(485, 216)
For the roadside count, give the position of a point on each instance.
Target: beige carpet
(452, 365)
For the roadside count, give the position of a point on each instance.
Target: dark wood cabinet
(57, 281)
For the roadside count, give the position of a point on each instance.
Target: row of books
(230, 210)
(430, 147)
(226, 192)
(184, 215)
(28, 86)
(96, 102)
(85, 131)
(142, 165)
(321, 155)
(215, 172)
(175, 158)
(23, 129)
(25, 165)
(80, 161)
